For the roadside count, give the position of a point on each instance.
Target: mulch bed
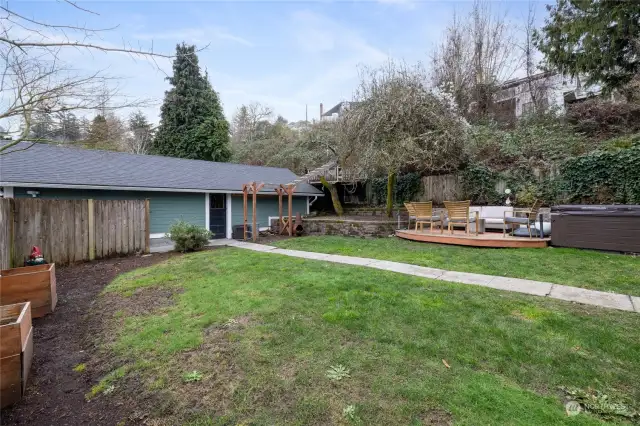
(66, 338)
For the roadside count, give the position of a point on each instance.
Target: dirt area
(269, 237)
(55, 392)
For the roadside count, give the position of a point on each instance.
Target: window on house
(528, 107)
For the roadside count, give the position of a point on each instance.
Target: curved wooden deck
(460, 238)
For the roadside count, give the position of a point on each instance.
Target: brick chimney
(321, 110)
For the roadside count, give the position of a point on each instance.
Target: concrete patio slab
(218, 242)
(537, 288)
(591, 297)
(635, 301)
(161, 249)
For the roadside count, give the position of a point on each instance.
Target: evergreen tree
(192, 122)
(68, 129)
(240, 126)
(598, 38)
(42, 127)
(98, 133)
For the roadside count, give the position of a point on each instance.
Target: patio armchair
(528, 218)
(412, 213)
(424, 214)
(458, 213)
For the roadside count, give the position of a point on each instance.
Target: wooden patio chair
(458, 213)
(424, 214)
(412, 213)
(528, 218)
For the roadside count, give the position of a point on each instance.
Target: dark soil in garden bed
(55, 393)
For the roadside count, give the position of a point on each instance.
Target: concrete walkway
(537, 288)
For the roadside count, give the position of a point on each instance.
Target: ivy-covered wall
(604, 176)
(534, 163)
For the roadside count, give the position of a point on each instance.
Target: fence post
(147, 225)
(92, 230)
(12, 231)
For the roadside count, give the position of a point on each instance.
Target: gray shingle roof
(51, 164)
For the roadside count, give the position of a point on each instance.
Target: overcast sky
(286, 54)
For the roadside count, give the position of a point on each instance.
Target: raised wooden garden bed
(35, 284)
(16, 351)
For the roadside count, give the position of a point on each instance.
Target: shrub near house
(188, 237)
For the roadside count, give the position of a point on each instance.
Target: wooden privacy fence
(72, 230)
(440, 188)
(5, 234)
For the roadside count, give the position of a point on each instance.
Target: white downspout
(227, 204)
(207, 205)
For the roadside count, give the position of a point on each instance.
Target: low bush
(601, 119)
(187, 236)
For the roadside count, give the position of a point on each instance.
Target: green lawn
(581, 268)
(251, 336)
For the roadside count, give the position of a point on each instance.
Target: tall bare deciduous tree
(476, 55)
(396, 122)
(538, 83)
(35, 80)
(451, 69)
(250, 122)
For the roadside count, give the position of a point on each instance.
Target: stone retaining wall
(375, 211)
(353, 228)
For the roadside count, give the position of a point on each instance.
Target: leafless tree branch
(81, 8)
(35, 81)
(476, 55)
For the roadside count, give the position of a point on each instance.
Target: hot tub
(599, 227)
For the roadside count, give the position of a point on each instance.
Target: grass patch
(192, 376)
(580, 268)
(80, 368)
(271, 334)
(106, 385)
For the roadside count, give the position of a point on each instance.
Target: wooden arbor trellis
(281, 189)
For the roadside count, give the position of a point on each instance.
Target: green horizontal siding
(166, 207)
(267, 206)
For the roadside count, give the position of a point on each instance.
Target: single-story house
(201, 192)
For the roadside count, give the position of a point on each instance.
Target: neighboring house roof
(518, 81)
(339, 108)
(334, 110)
(58, 166)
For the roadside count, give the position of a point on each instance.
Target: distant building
(520, 96)
(336, 111)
